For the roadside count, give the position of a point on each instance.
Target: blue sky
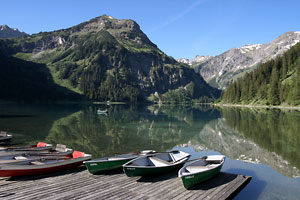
(180, 28)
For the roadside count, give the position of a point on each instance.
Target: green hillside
(107, 59)
(276, 82)
(25, 81)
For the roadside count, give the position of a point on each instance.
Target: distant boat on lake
(99, 112)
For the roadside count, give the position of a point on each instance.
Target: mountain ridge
(107, 59)
(7, 32)
(222, 69)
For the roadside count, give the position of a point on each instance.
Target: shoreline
(258, 106)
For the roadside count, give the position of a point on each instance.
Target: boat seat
(20, 158)
(185, 173)
(214, 159)
(158, 162)
(132, 164)
(37, 163)
(3, 133)
(61, 148)
(194, 169)
(114, 158)
(213, 165)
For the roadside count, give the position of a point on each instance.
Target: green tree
(273, 93)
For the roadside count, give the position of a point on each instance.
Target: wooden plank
(82, 185)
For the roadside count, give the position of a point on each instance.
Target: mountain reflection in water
(258, 136)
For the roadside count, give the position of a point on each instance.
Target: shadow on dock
(158, 178)
(221, 179)
(53, 174)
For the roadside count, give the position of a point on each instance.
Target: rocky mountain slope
(107, 59)
(7, 32)
(274, 82)
(195, 61)
(220, 70)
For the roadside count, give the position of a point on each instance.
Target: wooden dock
(79, 184)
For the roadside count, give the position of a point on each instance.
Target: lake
(262, 143)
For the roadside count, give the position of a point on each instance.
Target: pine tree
(273, 93)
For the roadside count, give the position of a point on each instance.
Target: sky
(180, 28)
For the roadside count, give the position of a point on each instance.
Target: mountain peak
(195, 61)
(220, 70)
(121, 29)
(4, 26)
(7, 32)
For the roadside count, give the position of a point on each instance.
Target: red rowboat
(43, 165)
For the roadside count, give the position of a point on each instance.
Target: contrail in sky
(179, 16)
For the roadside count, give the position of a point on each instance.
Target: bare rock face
(7, 32)
(119, 28)
(222, 69)
(195, 61)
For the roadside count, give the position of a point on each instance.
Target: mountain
(220, 70)
(25, 81)
(7, 32)
(195, 61)
(107, 59)
(274, 82)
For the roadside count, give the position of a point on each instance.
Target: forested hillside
(24, 81)
(273, 83)
(108, 59)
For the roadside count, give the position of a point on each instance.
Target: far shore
(258, 106)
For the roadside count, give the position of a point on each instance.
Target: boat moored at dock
(159, 163)
(201, 170)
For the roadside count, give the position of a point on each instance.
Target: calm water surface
(260, 143)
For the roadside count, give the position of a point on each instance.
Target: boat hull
(104, 166)
(194, 179)
(5, 138)
(201, 170)
(11, 170)
(150, 171)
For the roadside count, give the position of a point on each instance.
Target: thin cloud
(179, 16)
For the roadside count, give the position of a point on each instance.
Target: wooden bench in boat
(20, 158)
(195, 169)
(61, 148)
(3, 134)
(159, 162)
(37, 163)
(115, 158)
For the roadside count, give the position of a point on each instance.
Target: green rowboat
(100, 165)
(201, 170)
(159, 163)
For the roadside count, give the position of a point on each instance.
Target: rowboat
(40, 146)
(201, 170)
(155, 164)
(43, 165)
(60, 150)
(99, 112)
(100, 165)
(4, 136)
